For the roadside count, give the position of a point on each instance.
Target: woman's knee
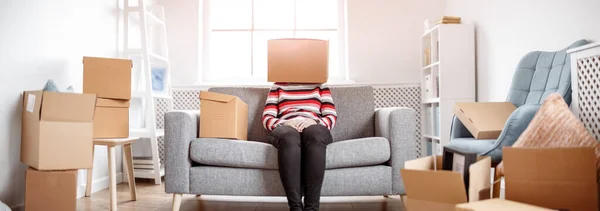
(285, 136)
(316, 133)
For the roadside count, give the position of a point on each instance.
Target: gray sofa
(369, 149)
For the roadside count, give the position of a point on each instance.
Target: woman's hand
(305, 123)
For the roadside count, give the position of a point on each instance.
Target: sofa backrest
(355, 108)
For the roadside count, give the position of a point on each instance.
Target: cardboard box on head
(298, 60)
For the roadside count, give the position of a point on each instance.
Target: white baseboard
(99, 184)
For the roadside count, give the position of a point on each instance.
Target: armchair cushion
(258, 155)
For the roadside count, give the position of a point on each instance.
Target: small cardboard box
(223, 116)
(555, 178)
(111, 119)
(294, 60)
(485, 120)
(57, 130)
(50, 190)
(498, 205)
(107, 77)
(428, 188)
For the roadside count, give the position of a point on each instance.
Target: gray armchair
(538, 74)
(369, 149)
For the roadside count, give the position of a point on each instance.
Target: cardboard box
(50, 190)
(428, 188)
(57, 129)
(107, 77)
(485, 120)
(111, 119)
(555, 178)
(223, 116)
(296, 60)
(498, 205)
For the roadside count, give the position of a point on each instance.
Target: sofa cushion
(258, 155)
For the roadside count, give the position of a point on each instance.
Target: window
(235, 34)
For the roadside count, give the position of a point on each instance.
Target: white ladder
(148, 17)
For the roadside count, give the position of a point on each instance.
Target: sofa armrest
(516, 123)
(181, 127)
(399, 126)
(458, 129)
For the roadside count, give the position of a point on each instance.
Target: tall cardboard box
(485, 120)
(498, 205)
(50, 190)
(57, 130)
(430, 188)
(223, 116)
(107, 77)
(295, 60)
(111, 119)
(555, 178)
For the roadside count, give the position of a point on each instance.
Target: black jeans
(302, 163)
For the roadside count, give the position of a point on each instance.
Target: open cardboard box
(57, 130)
(428, 188)
(555, 178)
(223, 116)
(485, 120)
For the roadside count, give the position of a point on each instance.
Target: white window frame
(341, 76)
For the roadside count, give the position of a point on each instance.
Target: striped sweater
(296, 101)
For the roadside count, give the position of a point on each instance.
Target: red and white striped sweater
(296, 101)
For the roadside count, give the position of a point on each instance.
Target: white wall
(508, 29)
(42, 40)
(383, 38)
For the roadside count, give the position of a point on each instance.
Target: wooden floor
(153, 197)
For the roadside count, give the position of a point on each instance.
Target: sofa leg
(177, 201)
(198, 195)
(386, 196)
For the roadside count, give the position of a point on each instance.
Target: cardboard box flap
(103, 102)
(423, 183)
(479, 176)
(480, 113)
(498, 205)
(67, 107)
(32, 101)
(437, 186)
(549, 164)
(213, 96)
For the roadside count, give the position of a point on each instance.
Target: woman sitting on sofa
(300, 117)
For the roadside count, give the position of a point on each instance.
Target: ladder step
(151, 18)
(138, 53)
(154, 95)
(143, 133)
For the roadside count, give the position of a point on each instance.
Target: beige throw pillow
(555, 126)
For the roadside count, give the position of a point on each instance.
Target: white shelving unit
(447, 76)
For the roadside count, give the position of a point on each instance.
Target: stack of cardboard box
(110, 80)
(58, 131)
(56, 139)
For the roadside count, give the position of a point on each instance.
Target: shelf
(437, 138)
(431, 65)
(148, 173)
(432, 101)
(430, 30)
(143, 133)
